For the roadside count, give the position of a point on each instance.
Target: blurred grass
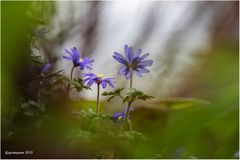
(202, 131)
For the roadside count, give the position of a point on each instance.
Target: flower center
(100, 76)
(119, 118)
(80, 60)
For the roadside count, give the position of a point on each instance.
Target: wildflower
(77, 60)
(119, 116)
(133, 62)
(98, 79)
(45, 68)
(91, 78)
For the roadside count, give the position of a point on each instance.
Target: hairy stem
(98, 91)
(71, 77)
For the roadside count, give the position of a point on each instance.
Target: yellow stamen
(119, 118)
(100, 76)
(81, 59)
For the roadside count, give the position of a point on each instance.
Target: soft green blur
(206, 128)
(203, 131)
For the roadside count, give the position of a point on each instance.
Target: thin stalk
(98, 91)
(71, 76)
(126, 117)
(131, 78)
(129, 103)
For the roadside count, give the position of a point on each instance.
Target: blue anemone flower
(91, 78)
(77, 60)
(134, 62)
(119, 116)
(46, 67)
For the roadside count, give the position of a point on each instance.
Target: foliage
(131, 135)
(78, 84)
(176, 103)
(131, 95)
(112, 94)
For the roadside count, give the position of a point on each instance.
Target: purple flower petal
(75, 57)
(88, 67)
(142, 69)
(87, 62)
(67, 58)
(118, 117)
(126, 50)
(121, 70)
(132, 61)
(46, 67)
(110, 84)
(68, 52)
(75, 52)
(127, 74)
(87, 79)
(104, 84)
(146, 63)
(120, 58)
(130, 54)
(109, 79)
(90, 75)
(139, 74)
(139, 51)
(145, 55)
(90, 82)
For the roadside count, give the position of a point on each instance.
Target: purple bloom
(132, 61)
(46, 67)
(119, 116)
(77, 60)
(91, 78)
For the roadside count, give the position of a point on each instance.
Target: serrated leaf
(113, 94)
(77, 84)
(134, 94)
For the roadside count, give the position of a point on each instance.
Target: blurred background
(195, 49)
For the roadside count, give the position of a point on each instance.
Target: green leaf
(179, 103)
(134, 94)
(131, 135)
(78, 84)
(93, 115)
(113, 94)
(78, 136)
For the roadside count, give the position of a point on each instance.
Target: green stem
(98, 91)
(71, 76)
(126, 117)
(131, 78)
(129, 104)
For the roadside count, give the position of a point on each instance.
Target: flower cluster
(133, 62)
